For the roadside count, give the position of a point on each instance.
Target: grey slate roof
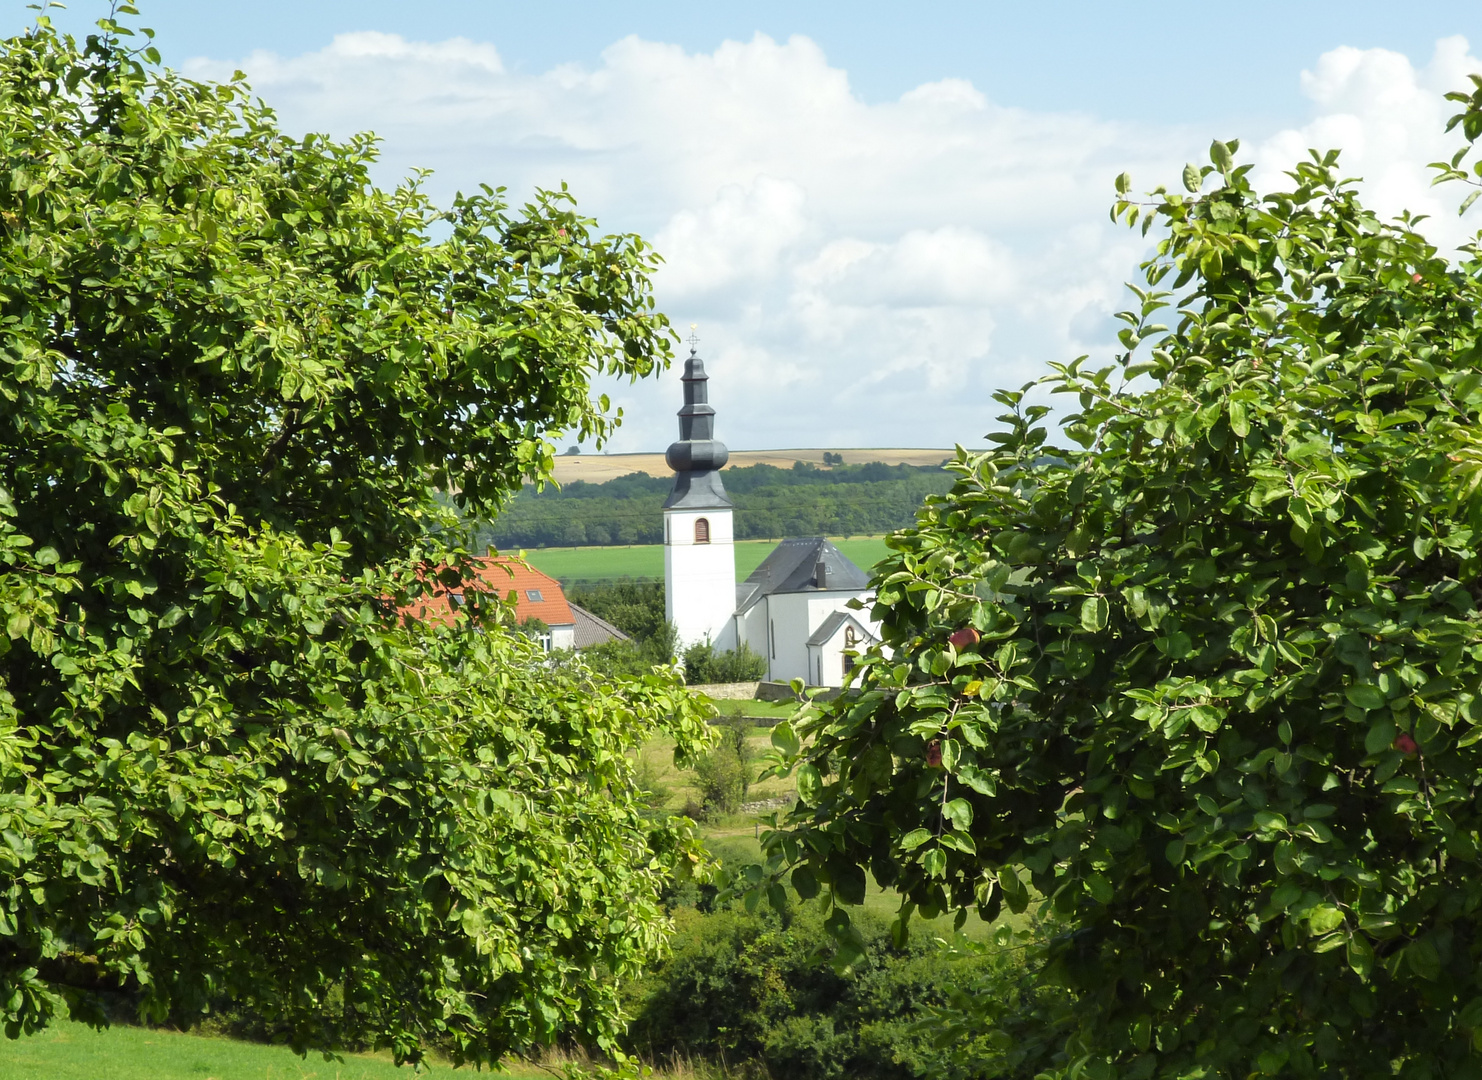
(831, 626)
(791, 566)
(697, 490)
(592, 630)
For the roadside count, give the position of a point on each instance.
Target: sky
(876, 214)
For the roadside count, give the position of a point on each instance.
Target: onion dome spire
(698, 456)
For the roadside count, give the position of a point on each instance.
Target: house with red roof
(536, 596)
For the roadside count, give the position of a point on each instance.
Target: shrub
(760, 993)
(723, 779)
(724, 775)
(702, 664)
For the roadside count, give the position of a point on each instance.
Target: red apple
(934, 753)
(965, 638)
(1405, 744)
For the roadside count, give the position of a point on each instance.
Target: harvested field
(596, 468)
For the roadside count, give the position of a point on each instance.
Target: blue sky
(877, 213)
(1200, 62)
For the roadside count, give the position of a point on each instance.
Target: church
(794, 608)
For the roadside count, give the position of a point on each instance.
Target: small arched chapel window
(702, 530)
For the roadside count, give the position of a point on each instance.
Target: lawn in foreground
(647, 560)
(73, 1051)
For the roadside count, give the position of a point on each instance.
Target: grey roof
(791, 568)
(697, 489)
(831, 626)
(591, 630)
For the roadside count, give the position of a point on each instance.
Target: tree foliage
(233, 373)
(1204, 681)
(847, 500)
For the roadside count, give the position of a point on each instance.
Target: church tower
(699, 547)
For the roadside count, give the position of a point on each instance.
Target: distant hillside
(771, 503)
(597, 468)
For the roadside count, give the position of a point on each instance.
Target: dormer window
(702, 530)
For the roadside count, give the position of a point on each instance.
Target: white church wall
(791, 620)
(751, 628)
(700, 577)
(827, 659)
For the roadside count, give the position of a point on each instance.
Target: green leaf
(809, 784)
(1094, 614)
(1360, 956)
(785, 739)
(1365, 696)
(1014, 892)
(1238, 422)
(959, 813)
(914, 839)
(1324, 918)
(1421, 957)
(1380, 735)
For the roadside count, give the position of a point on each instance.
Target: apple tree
(1198, 672)
(234, 377)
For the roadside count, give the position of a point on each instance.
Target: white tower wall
(700, 576)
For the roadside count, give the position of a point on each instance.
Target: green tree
(1205, 681)
(233, 374)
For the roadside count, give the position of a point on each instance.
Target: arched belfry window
(702, 530)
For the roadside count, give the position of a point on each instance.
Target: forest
(843, 500)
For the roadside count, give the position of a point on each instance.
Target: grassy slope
(71, 1051)
(647, 560)
(741, 831)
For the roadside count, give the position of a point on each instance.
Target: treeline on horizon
(771, 503)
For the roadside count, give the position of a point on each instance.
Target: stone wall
(735, 691)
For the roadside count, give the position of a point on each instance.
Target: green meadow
(647, 560)
(72, 1051)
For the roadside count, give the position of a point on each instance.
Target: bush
(702, 664)
(722, 779)
(724, 775)
(759, 993)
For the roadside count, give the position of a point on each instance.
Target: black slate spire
(697, 457)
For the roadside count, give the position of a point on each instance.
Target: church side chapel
(794, 608)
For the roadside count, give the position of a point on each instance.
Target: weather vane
(693, 339)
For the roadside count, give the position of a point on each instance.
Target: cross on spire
(693, 339)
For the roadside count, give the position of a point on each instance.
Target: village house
(538, 599)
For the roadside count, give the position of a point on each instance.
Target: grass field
(71, 1051)
(647, 560)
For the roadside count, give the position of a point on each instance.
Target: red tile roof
(504, 575)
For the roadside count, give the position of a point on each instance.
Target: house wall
(826, 661)
(788, 620)
(563, 637)
(700, 579)
(750, 628)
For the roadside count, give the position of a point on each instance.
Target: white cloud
(1388, 117)
(863, 274)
